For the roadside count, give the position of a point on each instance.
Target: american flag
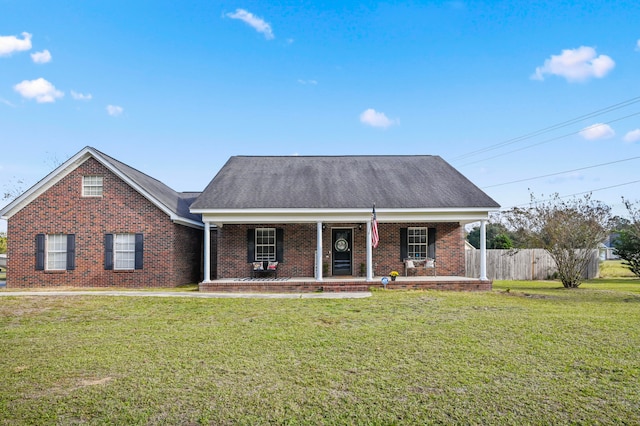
(375, 238)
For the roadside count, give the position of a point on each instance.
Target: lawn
(526, 353)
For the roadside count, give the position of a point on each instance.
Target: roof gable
(340, 182)
(174, 204)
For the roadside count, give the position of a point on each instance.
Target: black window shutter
(431, 241)
(139, 251)
(403, 244)
(108, 251)
(279, 244)
(251, 245)
(71, 252)
(40, 252)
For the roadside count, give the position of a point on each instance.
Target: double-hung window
(55, 252)
(92, 186)
(123, 252)
(417, 243)
(265, 244)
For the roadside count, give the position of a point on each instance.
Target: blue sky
(176, 88)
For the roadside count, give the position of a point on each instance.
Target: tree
(627, 244)
(3, 242)
(567, 230)
(498, 237)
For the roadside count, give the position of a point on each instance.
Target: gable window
(265, 244)
(123, 252)
(417, 243)
(92, 186)
(55, 252)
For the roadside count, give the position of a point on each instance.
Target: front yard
(528, 352)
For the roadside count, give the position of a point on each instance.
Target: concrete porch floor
(343, 284)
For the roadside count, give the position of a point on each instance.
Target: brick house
(313, 215)
(96, 222)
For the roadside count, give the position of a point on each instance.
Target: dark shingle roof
(421, 181)
(177, 202)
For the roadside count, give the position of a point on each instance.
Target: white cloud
(632, 136)
(597, 131)
(576, 65)
(81, 96)
(311, 82)
(10, 44)
(638, 45)
(40, 90)
(41, 57)
(376, 119)
(114, 110)
(258, 24)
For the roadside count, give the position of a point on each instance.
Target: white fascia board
(239, 216)
(187, 222)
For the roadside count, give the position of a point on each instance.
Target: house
(96, 222)
(313, 215)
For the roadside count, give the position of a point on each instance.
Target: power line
(560, 173)
(584, 192)
(548, 129)
(547, 140)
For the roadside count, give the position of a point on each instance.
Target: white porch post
(369, 253)
(483, 250)
(319, 252)
(207, 252)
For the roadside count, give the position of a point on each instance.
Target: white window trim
(49, 251)
(410, 252)
(92, 186)
(271, 256)
(129, 250)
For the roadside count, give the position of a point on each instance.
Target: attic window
(92, 186)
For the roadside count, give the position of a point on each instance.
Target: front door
(341, 242)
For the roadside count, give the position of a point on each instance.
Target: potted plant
(393, 275)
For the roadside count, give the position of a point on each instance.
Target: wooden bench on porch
(426, 263)
(264, 268)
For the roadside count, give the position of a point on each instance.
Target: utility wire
(583, 193)
(549, 140)
(560, 173)
(548, 129)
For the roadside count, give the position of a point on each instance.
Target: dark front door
(341, 247)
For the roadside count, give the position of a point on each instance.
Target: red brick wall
(171, 252)
(300, 246)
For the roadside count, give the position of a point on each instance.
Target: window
(92, 186)
(417, 242)
(55, 252)
(265, 244)
(123, 252)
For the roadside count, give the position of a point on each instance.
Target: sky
(522, 97)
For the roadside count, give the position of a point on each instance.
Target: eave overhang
(260, 216)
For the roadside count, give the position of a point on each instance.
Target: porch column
(369, 253)
(319, 252)
(483, 250)
(207, 252)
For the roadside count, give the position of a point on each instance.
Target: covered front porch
(343, 284)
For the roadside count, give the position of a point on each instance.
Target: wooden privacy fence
(529, 264)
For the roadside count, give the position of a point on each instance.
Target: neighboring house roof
(323, 183)
(175, 204)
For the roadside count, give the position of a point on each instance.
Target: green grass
(526, 353)
(615, 269)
